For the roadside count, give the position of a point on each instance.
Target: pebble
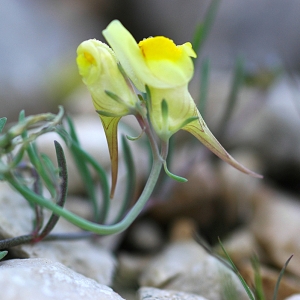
(187, 267)
(40, 278)
(293, 297)
(275, 227)
(149, 293)
(83, 256)
(269, 277)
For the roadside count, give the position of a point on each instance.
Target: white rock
(293, 297)
(275, 226)
(37, 279)
(130, 267)
(157, 294)
(82, 256)
(146, 236)
(185, 266)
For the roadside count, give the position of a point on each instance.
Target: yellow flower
(99, 69)
(166, 69)
(155, 61)
(112, 96)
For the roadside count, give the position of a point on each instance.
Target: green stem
(91, 226)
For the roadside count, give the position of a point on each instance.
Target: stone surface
(269, 277)
(293, 297)
(37, 279)
(196, 198)
(187, 267)
(145, 236)
(275, 226)
(240, 245)
(148, 293)
(129, 269)
(82, 256)
(237, 189)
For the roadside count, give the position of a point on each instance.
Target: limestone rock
(36, 279)
(269, 277)
(82, 256)
(275, 226)
(157, 294)
(129, 269)
(294, 297)
(186, 267)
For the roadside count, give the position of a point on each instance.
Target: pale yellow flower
(112, 96)
(166, 69)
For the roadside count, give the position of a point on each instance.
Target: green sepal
(114, 97)
(106, 114)
(173, 176)
(135, 138)
(164, 113)
(148, 95)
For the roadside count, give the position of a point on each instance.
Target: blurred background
(38, 39)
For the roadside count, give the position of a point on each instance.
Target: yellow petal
(156, 62)
(110, 125)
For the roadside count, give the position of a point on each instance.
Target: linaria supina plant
(159, 70)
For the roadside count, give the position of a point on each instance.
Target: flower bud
(99, 69)
(113, 96)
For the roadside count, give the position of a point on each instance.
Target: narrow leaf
(61, 160)
(280, 277)
(204, 28)
(2, 123)
(242, 280)
(259, 291)
(3, 254)
(204, 80)
(238, 79)
(114, 97)
(74, 145)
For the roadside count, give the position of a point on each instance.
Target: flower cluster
(157, 67)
